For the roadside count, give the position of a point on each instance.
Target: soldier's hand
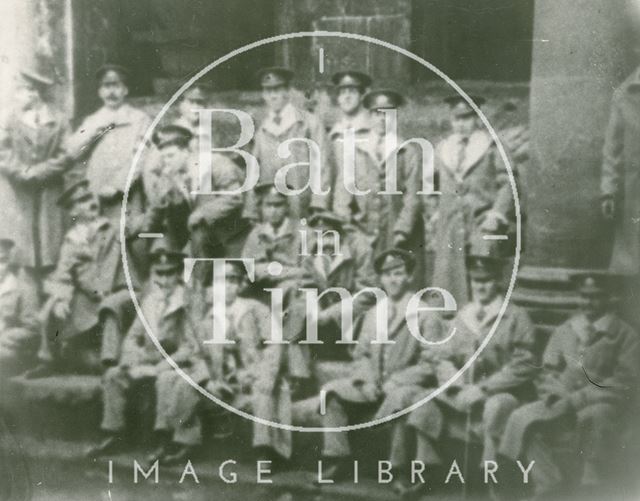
(608, 208)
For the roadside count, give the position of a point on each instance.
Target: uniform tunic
(32, 144)
(105, 143)
(594, 366)
(504, 370)
(292, 123)
(473, 183)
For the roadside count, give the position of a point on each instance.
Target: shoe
(179, 457)
(158, 454)
(338, 469)
(109, 445)
(278, 463)
(39, 371)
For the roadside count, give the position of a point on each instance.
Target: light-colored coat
(31, 215)
(470, 189)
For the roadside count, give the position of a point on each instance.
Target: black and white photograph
(318, 250)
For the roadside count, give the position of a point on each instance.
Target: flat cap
(383, 99)
(349, 78)
(327, 216)
(460, 107)
(36, 77)
(121, 71)
(594, 282)
(275, 76)
(166, 255)
(392, 259)
(172, 134)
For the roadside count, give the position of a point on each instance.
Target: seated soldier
(166, 313)
(589, 373)
(476, 406)
(227, 371)
(86, 273)
(385, 376)
(18, 326)
(275, 239)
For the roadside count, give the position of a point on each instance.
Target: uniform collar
(121, 116)
(288, 117)
(285, 229)
(478, 144)
(359, 123)
(469, 314)
(603, 325)
(175, 303)
(43, 113)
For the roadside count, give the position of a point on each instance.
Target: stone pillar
(580, 54)
(31, 32)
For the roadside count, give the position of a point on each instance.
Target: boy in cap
(383, 218)
(107, 140)
(476, 406)
(87, 272)
(385, 376)
(476, 196)
(230, 371)
(284, 122)
(18, 326)
(32, 164)
(585, 394)
(166, 312)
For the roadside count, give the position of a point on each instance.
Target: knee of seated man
(499, 406)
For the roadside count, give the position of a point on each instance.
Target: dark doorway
(474, 39)
(163, 42)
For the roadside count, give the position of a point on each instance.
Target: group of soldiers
(66, 306)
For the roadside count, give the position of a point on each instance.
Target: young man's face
(378, 121)
(27, 95)
(174, 158)
(276, 98)
(349, 100)
(165, 280)
(112, 90)
(86, 209)
(484, 290)
(232, 284)
(595, 305)
(274, 209)
(464, 125)
(190, 102)
(395, 282)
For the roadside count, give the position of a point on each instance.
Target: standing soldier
(165, 310)
(620, 182)
(586, 393)
(32, 164)
(476, 406)
(283, 122)
(375, 214)
(107, 140)
(385, 375)
(194, 98)
(476, 196)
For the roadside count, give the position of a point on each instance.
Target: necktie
(277, 119)
(461, 153)
(481, 314)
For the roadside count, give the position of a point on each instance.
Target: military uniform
(381, 217)
(277, 128)
(32, 163)
(475, 187)
(166, 313)
(586, 390)
(480, 401)
(88, 271)
(229, 372)
(386, 377)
